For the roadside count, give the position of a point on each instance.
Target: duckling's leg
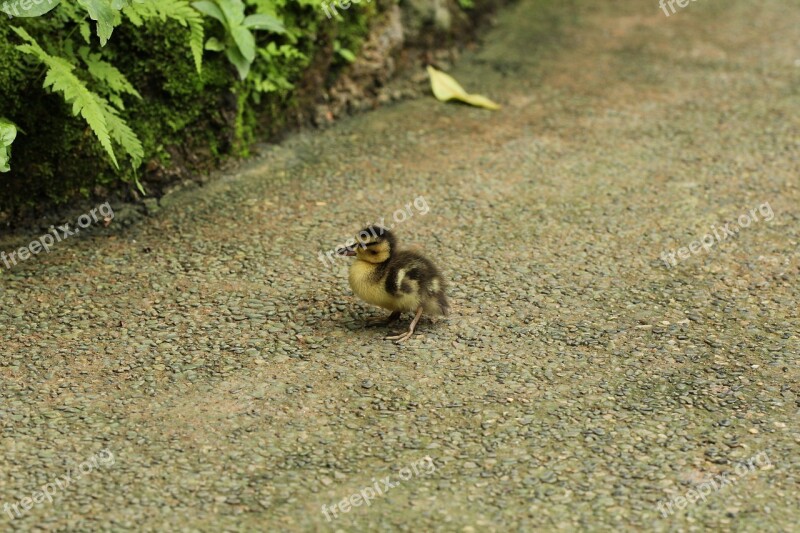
(383, 321)
(407, 335)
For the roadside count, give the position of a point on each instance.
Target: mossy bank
(189, 122)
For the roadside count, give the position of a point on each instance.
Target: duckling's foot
(407, 335)
(383, 321)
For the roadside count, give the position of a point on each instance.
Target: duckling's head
(373, 244)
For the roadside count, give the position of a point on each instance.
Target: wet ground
(621, 241)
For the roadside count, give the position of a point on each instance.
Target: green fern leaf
(95, 110)
(108, 74)
(116, 100)
(196, 41)
(133, 12)
(84, 102)
(123, 135)
(61, 79)
(86, 32)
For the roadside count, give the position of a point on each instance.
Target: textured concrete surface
(209, 373)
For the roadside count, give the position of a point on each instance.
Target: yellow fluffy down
(365, 286)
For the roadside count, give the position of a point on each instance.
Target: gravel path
(204, 370)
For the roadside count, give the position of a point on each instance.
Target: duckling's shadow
(365, 320)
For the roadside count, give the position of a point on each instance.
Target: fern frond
(105, 72)
(123, 135)
(95, 110)
(61, 79)
(177, 10)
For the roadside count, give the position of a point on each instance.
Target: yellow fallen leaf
(446, 88)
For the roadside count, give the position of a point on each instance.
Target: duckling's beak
(347, 250)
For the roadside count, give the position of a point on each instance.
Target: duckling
(397, 280)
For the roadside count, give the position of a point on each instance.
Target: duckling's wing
(405, 271)
(412, 274)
